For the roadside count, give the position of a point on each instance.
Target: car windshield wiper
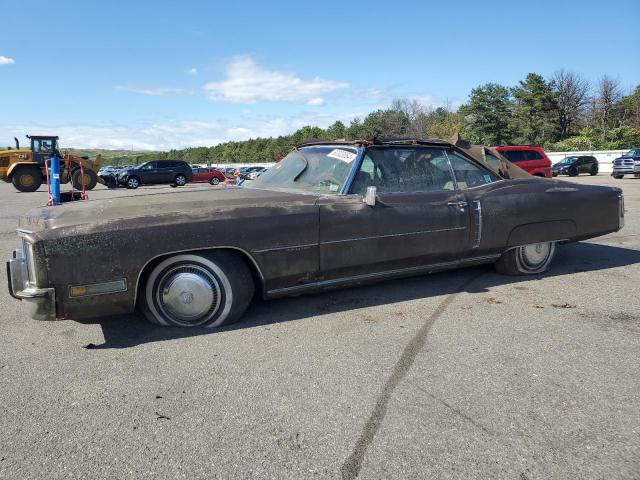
(304, 169)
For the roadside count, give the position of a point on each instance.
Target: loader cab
(43, 148)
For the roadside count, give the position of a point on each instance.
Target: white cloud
(247, 82)
(156, 91)
(170, 135)
(6, 60)
(192, 71)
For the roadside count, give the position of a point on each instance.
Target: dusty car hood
(157, 208)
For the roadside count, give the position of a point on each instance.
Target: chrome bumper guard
(626, 170)
(42, 301)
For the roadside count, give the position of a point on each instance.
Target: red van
(531, 159)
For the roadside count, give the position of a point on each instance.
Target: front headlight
(637, 162)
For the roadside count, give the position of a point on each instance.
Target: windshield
(321, 169)
(567, 160)
(633, 153)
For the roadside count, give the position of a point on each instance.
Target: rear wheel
(180, 180)
(87, 177)
(594, 170)
(617, 177)
(526, 259)
(198, 290)
(27, 179)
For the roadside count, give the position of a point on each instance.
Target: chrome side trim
(392, 235)
(200, 249)
(476, 208)
(289, 247)
(307, 245)
(372, 276)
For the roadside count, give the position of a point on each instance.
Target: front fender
(13, 167)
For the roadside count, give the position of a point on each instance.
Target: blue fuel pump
(55, 180)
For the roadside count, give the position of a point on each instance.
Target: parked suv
(576, 165)
(531, 159)
(173, 172)
(628, 164)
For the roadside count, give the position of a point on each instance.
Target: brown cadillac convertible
(327, 215)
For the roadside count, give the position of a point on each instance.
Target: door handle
(461, 205)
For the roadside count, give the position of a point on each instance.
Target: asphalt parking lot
(464, 374)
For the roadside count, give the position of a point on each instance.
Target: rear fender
(542, 232)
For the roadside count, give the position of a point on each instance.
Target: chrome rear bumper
(42, 301)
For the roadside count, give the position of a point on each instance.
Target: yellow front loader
(26, 169)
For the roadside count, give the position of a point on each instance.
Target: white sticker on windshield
(344, 155)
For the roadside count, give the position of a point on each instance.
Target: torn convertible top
(479, 153)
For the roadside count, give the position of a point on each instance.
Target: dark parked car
(575, 165)
(628, 164)
(173, 172)
(327, 215)
(533, 160)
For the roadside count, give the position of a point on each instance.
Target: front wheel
(526, 259)
(214, 181)
(617, 177)
(133, 182)
(573, 172)
(180, 181)
(198, 290)
(27, 179)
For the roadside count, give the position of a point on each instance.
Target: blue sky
(162, 74)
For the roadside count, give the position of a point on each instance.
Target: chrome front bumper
(625, 170)
(42, 301)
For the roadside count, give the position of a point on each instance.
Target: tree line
(562, 113)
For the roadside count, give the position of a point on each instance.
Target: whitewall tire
(527, 259)
(198, 290)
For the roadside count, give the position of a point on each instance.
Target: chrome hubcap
(535, 254)
(133, 182)
(189, 294)
(180, 181)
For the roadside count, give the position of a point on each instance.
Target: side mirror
(370, 196)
